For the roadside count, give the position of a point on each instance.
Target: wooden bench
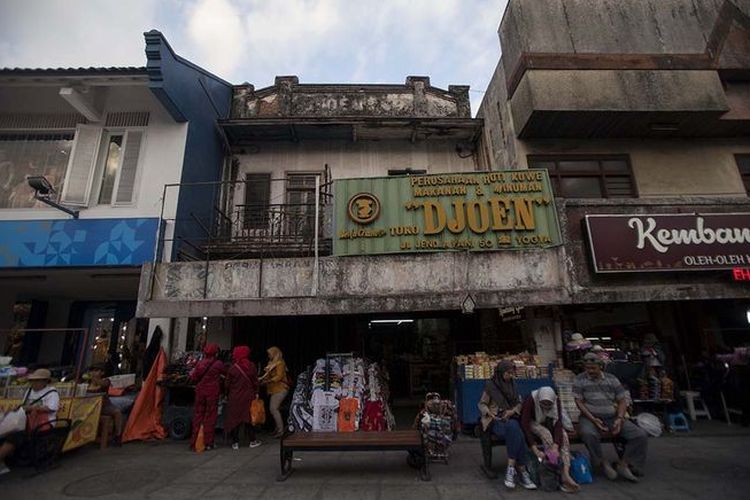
(408, 440)
(489, 441)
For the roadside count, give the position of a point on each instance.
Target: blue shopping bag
(580, 468)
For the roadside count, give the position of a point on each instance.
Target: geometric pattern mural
(77, 242)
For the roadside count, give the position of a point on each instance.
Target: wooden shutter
(80, 171)
(129, 168)
(257, 200)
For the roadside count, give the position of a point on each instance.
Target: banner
(673, 242)
(476, 211)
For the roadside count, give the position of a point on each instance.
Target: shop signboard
(477, 211)
(668, 242)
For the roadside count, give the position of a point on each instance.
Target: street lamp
(43, 192)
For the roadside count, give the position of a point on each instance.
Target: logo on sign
(364, 208)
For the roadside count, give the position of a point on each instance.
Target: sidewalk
(711, 463)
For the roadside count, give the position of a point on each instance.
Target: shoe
(255, 444)
(4, 469)
(510, 478)
(609, 471)
(623, 471)
(235, 446)
(526, 481)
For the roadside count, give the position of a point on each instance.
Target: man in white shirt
(40, 403)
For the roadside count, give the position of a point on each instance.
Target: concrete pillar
(166, 328)
(181, 333)
(7, 301)
(52, 343)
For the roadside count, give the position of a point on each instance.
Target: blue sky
(367, 41)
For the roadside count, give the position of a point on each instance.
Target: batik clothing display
(300, 411)
(339, 394)
(325, 411)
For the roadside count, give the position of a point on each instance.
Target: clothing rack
(339, 356)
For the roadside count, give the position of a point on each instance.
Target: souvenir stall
(473, 371)
(341, 393)
(180, 393)
(76, 404)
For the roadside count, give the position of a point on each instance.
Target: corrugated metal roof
(93, 71)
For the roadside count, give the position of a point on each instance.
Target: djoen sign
(473, 211)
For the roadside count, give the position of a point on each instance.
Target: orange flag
(144, 422)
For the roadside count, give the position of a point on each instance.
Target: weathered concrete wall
(617, 90)
(608, 27)
(353, 285)
(288, 98)
(497, 145)
(346, 159)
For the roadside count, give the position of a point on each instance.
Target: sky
(322, 41)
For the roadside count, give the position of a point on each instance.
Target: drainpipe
(316, 267)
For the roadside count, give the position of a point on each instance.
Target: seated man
(603, 400)
(40, 403)
(98, 384)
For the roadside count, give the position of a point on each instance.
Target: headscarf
(152, 351)
(502, 392)
(211, 350)
(241, 357)
(276, 358)
(545, 394)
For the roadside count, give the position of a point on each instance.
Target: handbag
(257, 412)
(13, 421)
(37, 421)
(580, 468)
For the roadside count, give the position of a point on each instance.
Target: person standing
(242, 389)
(207, 377)
(603, 400)
(542, 419)
(276, 380)
(500, 407)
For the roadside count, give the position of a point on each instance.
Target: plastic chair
(691, 398)
(677, 422)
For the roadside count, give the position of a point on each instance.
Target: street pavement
(713, 464)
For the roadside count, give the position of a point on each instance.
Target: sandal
(567, 488)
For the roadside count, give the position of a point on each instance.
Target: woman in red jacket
(207, 377)
(242, 388)
(542, 420)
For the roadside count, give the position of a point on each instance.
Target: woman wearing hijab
(542, 420)
(500, 407)
(242, 388)
(207, 377)
(275, 379)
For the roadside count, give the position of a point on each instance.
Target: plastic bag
(580, 469)
(13, 421)
(257, 412)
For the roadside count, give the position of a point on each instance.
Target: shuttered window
(743, 164)
(118, 166)
(77, 185)
(588, 176)
(126, 183)
(257, 201)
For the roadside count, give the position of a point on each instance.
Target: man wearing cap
(603, 400)
(40, 403)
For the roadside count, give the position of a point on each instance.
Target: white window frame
(102, 158)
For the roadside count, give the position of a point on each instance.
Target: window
(300, 198)
(257, 200)
(23, 154)
(588, 177)
(743, 164)
(119, 164)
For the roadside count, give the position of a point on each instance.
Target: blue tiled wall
(77, 242)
